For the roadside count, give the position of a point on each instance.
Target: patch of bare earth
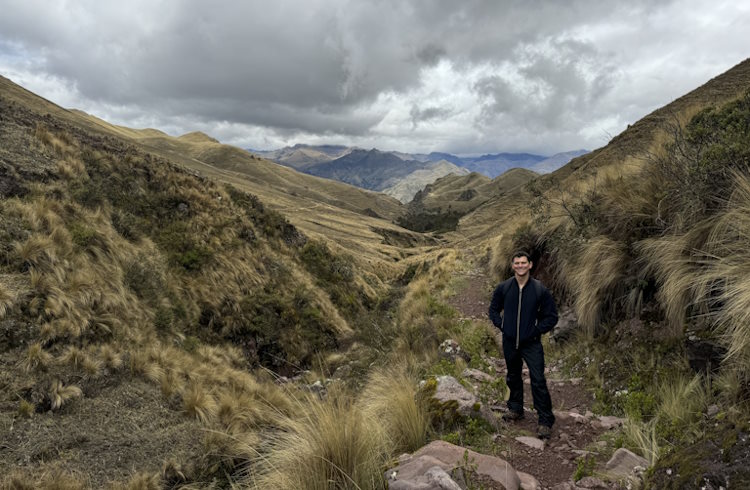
(571, 435)
(107, 435)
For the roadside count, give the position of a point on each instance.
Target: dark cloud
(374, 71)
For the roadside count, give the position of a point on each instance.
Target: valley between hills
(179, 313)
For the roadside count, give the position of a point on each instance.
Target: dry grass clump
(729, 244)
(594, 276)
(682, 399)
(25, 408)
(329, 443)
(139, 481)
(37, 358)
(198, 402)
(390, 397)
(60, 394)
(7, 298)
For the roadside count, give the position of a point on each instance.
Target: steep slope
(405, 189)
(143, 306)
(356, 219)
(626, 154)
(440, 205)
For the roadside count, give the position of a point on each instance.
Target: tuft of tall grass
(60, 394)
(682, 399)
(55, 479)
(729, 271)
(198, 402)
(595, 277)
(327, 444)
(7, 298)
(36, 358)
(642, 436)
(390, 396)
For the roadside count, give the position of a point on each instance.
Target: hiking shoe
(512, 416)
(544, 432)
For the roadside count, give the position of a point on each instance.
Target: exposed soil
(106, 435)
(572, 437)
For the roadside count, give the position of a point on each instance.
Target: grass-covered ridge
(654, 265)
(122, 273)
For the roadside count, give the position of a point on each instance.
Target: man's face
(521, 266)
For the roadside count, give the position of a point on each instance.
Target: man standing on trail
(528, 311)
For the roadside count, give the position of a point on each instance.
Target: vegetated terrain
(160, 327)
(440, 205)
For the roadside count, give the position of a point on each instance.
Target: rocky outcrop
(428, 468)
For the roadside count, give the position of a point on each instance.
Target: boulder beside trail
(625, 463)
(417, 472)
(450, 393)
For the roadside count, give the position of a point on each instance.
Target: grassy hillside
(646, 240)
(626, 154)
(352, 219)
(145, 309)
(439, 206)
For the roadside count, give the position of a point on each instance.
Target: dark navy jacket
(535, 315)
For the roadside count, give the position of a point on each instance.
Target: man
(528, 311)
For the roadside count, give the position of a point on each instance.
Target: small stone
(713, 411)
(477, 375)
(531, 442)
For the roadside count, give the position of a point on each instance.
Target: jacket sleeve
(547, 318)
(496, 306)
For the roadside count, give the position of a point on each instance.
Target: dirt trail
(557, 462)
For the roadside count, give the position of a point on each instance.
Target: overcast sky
(464, 77)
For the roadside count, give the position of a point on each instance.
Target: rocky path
(575, 434)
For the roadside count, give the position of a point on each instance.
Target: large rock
(567, 324)
(419, 473)
(625, 463)
(452, 395)
(449, 389)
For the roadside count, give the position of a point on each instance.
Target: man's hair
(520, 254)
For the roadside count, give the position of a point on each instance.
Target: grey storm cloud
(486, 74)
(564, 79)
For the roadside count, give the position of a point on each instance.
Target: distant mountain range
(402, 175)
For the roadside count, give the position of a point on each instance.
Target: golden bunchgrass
(54, 479)
(594, 277)
(37, 358)
(390, 397)
(61, 394)
(199, 402)
(326, 444)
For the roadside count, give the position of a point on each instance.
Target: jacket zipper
(518, 319)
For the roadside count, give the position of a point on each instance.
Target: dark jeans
(532, 352)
